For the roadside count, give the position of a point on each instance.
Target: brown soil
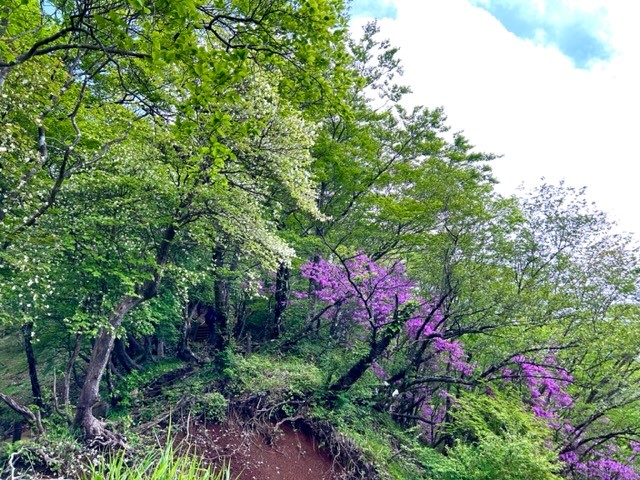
(286, 453)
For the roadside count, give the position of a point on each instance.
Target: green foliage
(211, 406)
(508, 457)
(496, 438)
(138, 140)
(261, 373)
(129, 389)
(160, 316)
(482, 415)
(166, 465)
(371, 432)
(396, 452)
(57, 453)
(493, 438)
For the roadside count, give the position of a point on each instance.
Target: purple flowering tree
(546, 385)
(585, 453)
(433, 365)
(375, 297)
(384, 302)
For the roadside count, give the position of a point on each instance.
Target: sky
(551, 85)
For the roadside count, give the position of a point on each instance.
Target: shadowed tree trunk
(123, 358)
(148, 347)
(209, 314)
(376, 348)
(140, 351)
(221, 324)
(215, 316)
(27, 332)
(281, 298)
(18, 425)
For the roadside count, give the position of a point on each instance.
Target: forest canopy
(247, 167)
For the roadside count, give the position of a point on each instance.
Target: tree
(196, 157)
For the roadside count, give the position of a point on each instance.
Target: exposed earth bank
(288, 452)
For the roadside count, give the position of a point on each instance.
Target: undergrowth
(166, 465)
(492, 433)
(262, 373)
(129, 389)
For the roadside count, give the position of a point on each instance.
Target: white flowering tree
(130, 151)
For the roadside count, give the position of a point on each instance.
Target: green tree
(202, 137)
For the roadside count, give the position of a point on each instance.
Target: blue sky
(551, 85)
(373, 8)
(578, 33)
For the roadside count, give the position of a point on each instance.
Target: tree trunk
(281, 297)
(33, 417)
(221, 322)
(139, 350)
(17, 430)
(4, 71)
(160, 348)
(95, 431)
(148, 347)
(376, 349)
(209, 314)
(4, 23)
(89, 396)
(184, 352)
(109, 373)
(123, 357)
(27, 331)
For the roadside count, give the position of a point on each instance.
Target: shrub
(494, 437)
(56, 453)
(211, 406)
(260, 373)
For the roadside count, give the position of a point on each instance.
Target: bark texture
(95, 430)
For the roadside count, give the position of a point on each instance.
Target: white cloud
(528, 101)
(578, 29)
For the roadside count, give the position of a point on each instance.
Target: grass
(166, 465)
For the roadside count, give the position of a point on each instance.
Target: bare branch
(33, 418)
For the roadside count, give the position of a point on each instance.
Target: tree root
(98, 436)
(264, 416)
(11, 468)
(343, 450)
